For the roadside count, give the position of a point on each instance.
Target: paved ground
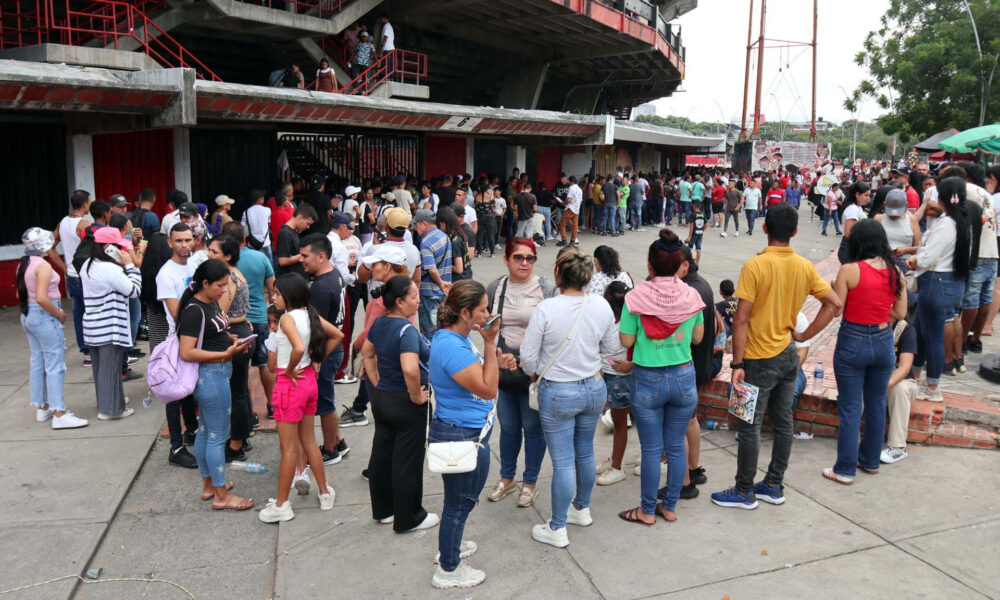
(105, 497)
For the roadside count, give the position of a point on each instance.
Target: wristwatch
(736, 365)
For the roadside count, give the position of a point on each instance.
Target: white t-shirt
(751, 198)
(339, 257)
(390, 37)
(853, 212)
(348, 208)
(257, 222)
(171, 281)
(169, 220)
(501, 205)
(70, 240)
(575, 197)
(470, 216)
(801, 324)
(996, 209)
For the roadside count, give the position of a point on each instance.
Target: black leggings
(239, 388)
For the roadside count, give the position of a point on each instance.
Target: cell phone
(248, 338)
(113, 252)
(142, 245)
(490, 323)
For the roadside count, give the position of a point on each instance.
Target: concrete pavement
(104, 496)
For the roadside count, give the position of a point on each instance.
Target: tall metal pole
(760, 70)
(812, 126)
(746, 74)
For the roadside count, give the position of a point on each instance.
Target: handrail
(335, 48)
(395, 65)
(313, 8)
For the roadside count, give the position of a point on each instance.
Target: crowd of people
(278, 291)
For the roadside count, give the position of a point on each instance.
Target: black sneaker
(976, 346)
(189, 438)
(247, 446)
(561, 243)
(364, 474)
(330, 458)
(270, 411)
(960, 365)
(135, 352)
(350, 418)
(697, 476)
(949, 369)
(687, 492)
(232, 455)
(183, 458)
(143, 335)
(131, 375)
(343, 448)
(256, 423)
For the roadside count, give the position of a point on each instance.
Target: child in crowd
(303, 339)
(727, 306)
(697, 231)
(616, 368)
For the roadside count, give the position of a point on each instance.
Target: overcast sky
(716, 55)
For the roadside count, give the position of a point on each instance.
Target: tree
(926, 67)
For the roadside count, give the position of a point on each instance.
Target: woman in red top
(872, 287)
(282, 209)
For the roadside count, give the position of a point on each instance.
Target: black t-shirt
(562, 192)
(656, 189)
(907, 341)
(363, 225)
(485, 209)
(216, 337)
(701, 353)
(727, 308)
(290, 80)
(544, 198)
(446, 195)
(327, 296)
(460, 249)
(321, 202)
(610, 190)
(288, 245)
(525, 201)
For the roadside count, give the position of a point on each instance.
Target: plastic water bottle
(715, 425)
(249, 467)
(818, 379)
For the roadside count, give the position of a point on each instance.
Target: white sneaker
(125, 413)
(272, 513)
(607, 422)
(43, 414)
(737, 234)
(68, 421)
(926, 393)
(611, 477)
(326, 500)
(546, 535)
(388, 520)
(347, 379)
(604, 466)
(722, 234)
(301, 482)
(637, 469)
(466, 549)
(580, 516)
(429, 522)
(891, 455)
(462, 577)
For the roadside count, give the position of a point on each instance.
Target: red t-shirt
(775, 196)
(783, 182)
(912, 199)
(718, 194)
(279, 216)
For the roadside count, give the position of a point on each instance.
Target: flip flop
(660, 510)
(632, 516)
(244, 504)
(229, 486)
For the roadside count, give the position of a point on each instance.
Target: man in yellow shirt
(772, 287)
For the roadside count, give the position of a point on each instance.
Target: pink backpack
(170, 378)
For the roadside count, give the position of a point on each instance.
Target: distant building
(643, 110)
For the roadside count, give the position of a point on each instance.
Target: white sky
(716, 55)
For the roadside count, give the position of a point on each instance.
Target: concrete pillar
(523, 87)
(182, 161)
(470, 156)
(582, 100)
(517, 156)
(80, 162)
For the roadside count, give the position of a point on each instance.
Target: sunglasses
(521, 258)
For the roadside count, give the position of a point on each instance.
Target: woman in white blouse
(607, 269)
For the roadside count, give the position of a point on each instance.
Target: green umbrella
(985, 138)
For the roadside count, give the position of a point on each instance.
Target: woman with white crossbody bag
(465, 385)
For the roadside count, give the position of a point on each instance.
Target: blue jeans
(668, 211)
(751, 219)
(214, 403)
(940, 296)
(621, 219)
(427, 314)
(831, 216)
(862, 363)
(610, 217)
(47, 366)
(684, 212)
(74, 289)
(569, 412)
(325, 403)
(800, 386)
(516, 416)
(635, 214)
(134, 315)
(461, 490)
(979, 288)
(663, 402)
(546, 211)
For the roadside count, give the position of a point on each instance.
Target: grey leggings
(736, 219)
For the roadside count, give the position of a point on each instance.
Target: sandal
(229, 486)
(662, 511)
(632, 516)
(239, 504)
(830, 474)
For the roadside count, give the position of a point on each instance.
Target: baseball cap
(394, 255)
(900, 170)
(397, 218)
(222, 200)
(111, 235)
(459, 209)
(117, 201)
(338, 218)
(351, 190)
(188, 209)
(424, 214)
(895, 203)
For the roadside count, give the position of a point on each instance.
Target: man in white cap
(221, 216)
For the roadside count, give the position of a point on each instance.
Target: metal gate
(352, 156)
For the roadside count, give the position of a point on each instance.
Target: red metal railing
(404, 66)
(107, 21)
(313, 8)
(334, 47)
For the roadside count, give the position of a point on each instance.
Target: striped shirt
(435, 253)
(106, 290)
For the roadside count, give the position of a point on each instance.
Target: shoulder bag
(533, 388)
(515, 381)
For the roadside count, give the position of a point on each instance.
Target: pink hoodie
(663, 303)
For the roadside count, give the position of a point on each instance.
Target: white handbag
(533, 387)
(455, 457)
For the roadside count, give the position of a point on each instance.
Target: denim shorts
(259, 356)
(619, 390)
(695, 242)
(979, 288)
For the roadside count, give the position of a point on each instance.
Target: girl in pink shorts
(302, 340)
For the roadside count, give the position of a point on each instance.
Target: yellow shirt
(777, 282)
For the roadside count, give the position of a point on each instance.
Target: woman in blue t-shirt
(465, 384)
(395, 357)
